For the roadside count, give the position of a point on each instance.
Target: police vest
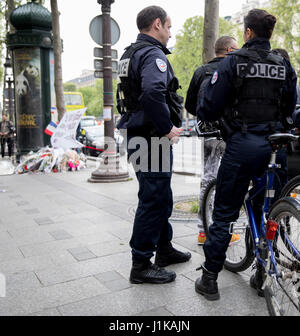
(129, 90)
(258, 86)
(204, 127)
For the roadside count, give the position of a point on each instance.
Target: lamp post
(8, 100)
(109, 169)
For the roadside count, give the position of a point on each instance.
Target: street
(64, 251)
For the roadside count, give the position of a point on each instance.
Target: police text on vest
(258, 70)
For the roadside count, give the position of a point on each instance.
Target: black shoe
(168, 255)
(149, 273)
(256, 282)
(207, 285)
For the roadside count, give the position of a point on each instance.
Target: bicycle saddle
(282, 138)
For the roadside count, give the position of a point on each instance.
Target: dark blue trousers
(247, 155)
(152, 228)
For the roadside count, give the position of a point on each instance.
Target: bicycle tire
(208, 196)
(292, 187)
(232, 262)
(281, 292)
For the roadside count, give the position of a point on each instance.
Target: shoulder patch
(214, 77)
(162, 65)
(123, 67)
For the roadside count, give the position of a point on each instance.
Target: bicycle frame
(263, 184)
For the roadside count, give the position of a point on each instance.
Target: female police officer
(251, 89)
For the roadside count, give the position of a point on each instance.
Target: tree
(57, 46)
(69, 87)
(187, 53)
(93, 98)
(287, 30)
(210, 30)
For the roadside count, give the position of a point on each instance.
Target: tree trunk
(10, 8)
(211, 29)
(57, 46)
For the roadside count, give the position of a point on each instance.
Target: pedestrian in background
(147, 98)
(6, 135)
(249, 101)
(213, 147)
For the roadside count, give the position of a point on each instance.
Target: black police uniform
(145, 75)
(199, 75)
(247, 89)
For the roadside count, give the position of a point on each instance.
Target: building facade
(238, 18)
(85, 79)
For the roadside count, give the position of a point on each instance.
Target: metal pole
(108, 102)
(109, 169)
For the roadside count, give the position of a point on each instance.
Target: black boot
(149, 273)
(207, 285)
(257, 280)
(167, 255)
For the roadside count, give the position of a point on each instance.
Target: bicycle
(274, 242)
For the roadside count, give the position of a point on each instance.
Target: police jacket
(243, 85)
(196, 81)
(151, 73)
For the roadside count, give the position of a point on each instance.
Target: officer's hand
(174, 140)
(175, 132)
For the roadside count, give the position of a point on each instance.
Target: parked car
(93, 139)
(88, 121)
(188, 128)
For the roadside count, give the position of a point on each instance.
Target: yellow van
(74, 101)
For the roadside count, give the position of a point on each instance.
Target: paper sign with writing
(64, 135)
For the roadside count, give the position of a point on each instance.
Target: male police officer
(213, 147)
(146, 97)
(252, 89)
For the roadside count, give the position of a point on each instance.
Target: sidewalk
(64, 251)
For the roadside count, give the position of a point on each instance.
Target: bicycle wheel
(292, 188)
(239, 255)
(282, 292)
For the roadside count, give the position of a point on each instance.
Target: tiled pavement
(64, 251)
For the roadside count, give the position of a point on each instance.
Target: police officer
(213, 147)
(146, 100)
(251, 89)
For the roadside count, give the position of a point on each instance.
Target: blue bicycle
(274, 240)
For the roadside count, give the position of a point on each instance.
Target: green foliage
(69, 87)
(93, 98)
(287, 30)
(187, 54)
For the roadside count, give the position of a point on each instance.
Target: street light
(8, 101)
(109, 170)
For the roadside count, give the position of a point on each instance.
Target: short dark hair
(223, 43)
(261, 22)
(282, 52)
(148, 15)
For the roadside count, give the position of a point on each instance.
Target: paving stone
(22, 203)
(109, 276)
(60, 235)
(236, 300)
(81, 253)
(131, 301)
(160, 311)
(47, 312)
(54, 275)
(15, 196)
(31, 211)
(44, 221)
(35, 300)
